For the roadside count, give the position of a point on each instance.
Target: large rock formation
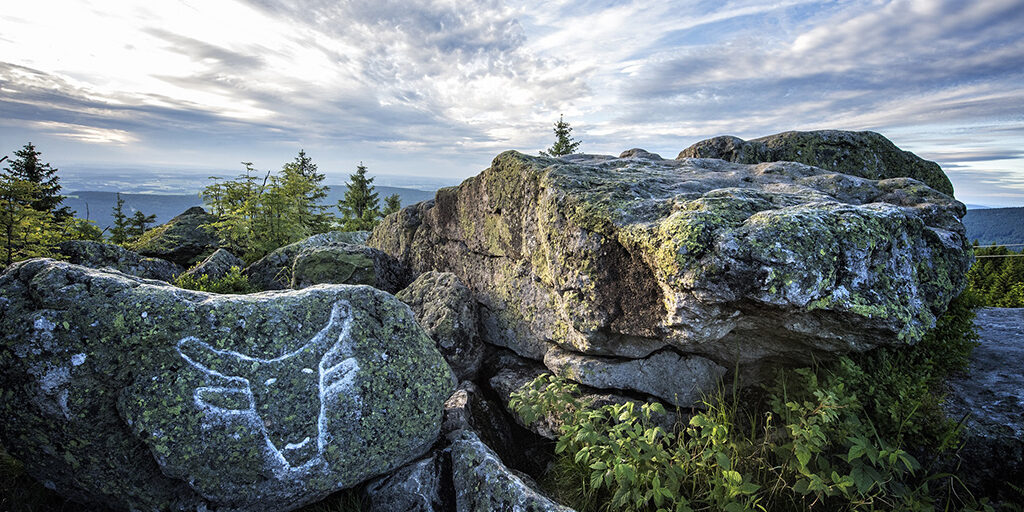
(182, 240)
(130, 393)
(863, 154)
(216, 265)
(100, 255)
(748, 265)
(334, 257)
(446, 309)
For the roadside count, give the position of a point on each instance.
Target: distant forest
(98, 205)
(994, 226)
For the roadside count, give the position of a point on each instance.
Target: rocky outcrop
(100, 255)
(747, 266)
(216, 266)
(334, 258)
(182, 240)
(484, 484)
(446, 309)
(418, 487)
(863, 154)
(136, 395)
(990, 398)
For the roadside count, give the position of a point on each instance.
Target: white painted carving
(235, 399)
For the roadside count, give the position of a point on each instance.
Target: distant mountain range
(98, 206)
(991, 226)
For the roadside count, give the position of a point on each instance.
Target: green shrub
(233, 282)
(835, 437)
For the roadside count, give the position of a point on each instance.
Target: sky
(439, 87)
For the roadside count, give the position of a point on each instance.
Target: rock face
(753, 265)
(863, 154)
(181, 240)
(334, 257)
(991, 397)
(446, 309)
(100, 255)
(217, 265)
(133, 394)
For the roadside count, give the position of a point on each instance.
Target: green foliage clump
(125, 228)
(997, 277)
(234, 282)
(256, 215)
(836, 437)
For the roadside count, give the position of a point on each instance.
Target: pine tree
(138, 222)
(564, 144)
(303, 186)
(27, 166)
(119, 232)
(360, 208)
(392, 204)
(24, 231)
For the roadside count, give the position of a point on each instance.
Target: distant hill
(166, 206)
(991, 226)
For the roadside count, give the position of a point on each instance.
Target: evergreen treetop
(360, 208)
(47, 198)
(564, 143)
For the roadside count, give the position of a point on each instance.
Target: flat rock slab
(136, 395)
(991, 397)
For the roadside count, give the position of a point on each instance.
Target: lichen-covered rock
(100, 255)
(863, 154)
(484, 484)
(182, 240)
(417, 487)
(335, 257)
(639, 153)
(679, 380)
(216, 266)
(990, 398)
(749, 265)
(446, 309)
(137, 395)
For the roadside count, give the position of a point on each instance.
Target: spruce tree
(119, 232)
(47, 199)
(564, 143)
(359, 209)
(139, 222)
(392, 204)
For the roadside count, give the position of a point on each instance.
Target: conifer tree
(392, 204)
(564, 143)
(360, 208)
(119, 232)
(47, 199)
(139, 222)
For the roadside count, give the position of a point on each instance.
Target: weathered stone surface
(446, 309)
(217, 265)
(679, 380)
(100, 255)
(181, 240)
(335, 257)
(417, 487)
(138, 395)
(863, 154)
(484, 484)
(640, 153)
(754, 265)
(991, 397)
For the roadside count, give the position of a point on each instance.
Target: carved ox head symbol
(283, 396)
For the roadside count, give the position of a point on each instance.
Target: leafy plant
(234, 282)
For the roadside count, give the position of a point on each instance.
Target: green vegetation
(259, 214)
(997, 277)
(839, 436)
(360, 210)
(564, 143)
(993, 226)
(233, 282)
(32, 219)
(126, 229)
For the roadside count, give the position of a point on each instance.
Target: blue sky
(439, 87)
